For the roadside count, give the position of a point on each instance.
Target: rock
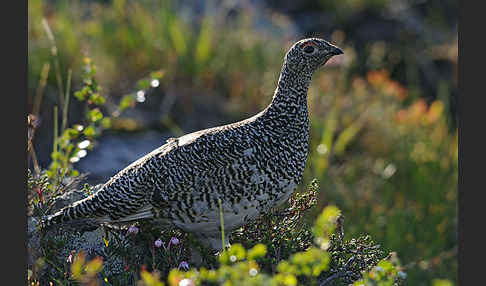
(67, 239)
(114, 152)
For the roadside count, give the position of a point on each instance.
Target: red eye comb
(308, 43)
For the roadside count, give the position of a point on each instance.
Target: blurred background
(383, 116)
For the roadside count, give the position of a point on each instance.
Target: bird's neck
(290, 98)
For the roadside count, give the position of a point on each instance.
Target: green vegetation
(383, 156)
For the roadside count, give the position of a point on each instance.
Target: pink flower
(184, 265)
(71, 256)
(133, 229)
(158, 243)
(39, 193)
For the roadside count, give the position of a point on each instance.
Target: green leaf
(177, 37)
(94, 266)
(258, 251)
(97, 99)
(83, 93)
(203, 46)
(106, 122)
(94, 115)
(442, 282)
(77, 266)
(143, 84)
(150, 279)
(325, 224)
(56, 155)
(238, 250)
(236, 253)
(127, 101)
(71, 133)
(157, 74)
(79, 95)
(346, 137)
(89, 131)
(386, 265)
(289, 280)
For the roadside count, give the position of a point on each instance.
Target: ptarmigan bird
(250, 166)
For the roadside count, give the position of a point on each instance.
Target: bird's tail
(82, 209)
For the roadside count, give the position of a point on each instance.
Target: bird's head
(307, 55)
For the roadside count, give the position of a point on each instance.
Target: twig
(335, 276)
(35, 115)
(340, 226)
(340, 274)
(32, 126)
(349, 262)
(34, 158)
(50, 202)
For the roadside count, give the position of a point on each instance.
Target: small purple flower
(174, 241)
(158, 243)
(133, 229)
(184, 265)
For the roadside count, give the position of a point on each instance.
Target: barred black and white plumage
(251, 165)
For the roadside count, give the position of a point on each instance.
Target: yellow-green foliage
(390, 162)
(241, 267)
(384, 274)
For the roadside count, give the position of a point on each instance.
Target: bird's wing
(125, 194)
(207, 165)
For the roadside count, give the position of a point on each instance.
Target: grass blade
(40, 89)
(54, 149)
(50, 35)
(66, 102)
(221, 220)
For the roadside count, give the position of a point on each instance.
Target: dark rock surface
(113, 152)
(90, 242)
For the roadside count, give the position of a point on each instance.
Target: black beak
(336, 51)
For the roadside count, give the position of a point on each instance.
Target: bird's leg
(215, 242)
(196, 257)
(212, 243)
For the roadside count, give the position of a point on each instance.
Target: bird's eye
(309, 49)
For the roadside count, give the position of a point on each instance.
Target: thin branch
(34, 158)
(349, 262)
(32, 123)
(335, 276)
